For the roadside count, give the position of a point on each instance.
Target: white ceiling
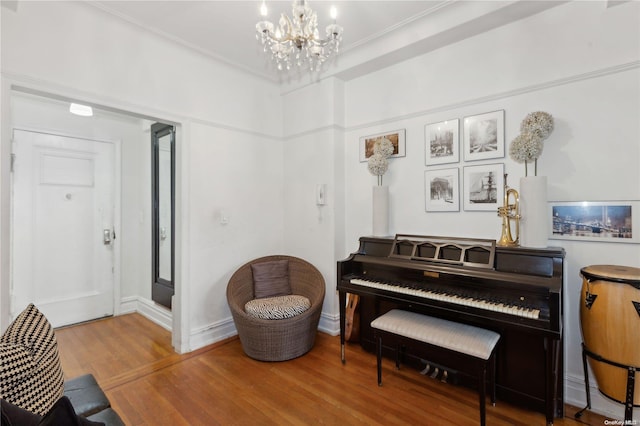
(376, 33)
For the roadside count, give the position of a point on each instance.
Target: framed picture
(484, 187)
(613, 221)
(396, 137)
(484, 136)
(441, 141)
(442, 190)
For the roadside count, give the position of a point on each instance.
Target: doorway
(63, 226)
(163, 212)
(38, 111)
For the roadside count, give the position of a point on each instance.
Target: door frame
(117, 206)
(180, 328)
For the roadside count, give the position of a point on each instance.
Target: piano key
(443, 296)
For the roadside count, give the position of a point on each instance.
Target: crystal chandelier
(296, 40)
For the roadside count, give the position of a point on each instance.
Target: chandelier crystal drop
(296, 40)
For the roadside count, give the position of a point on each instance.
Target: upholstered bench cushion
(279, 307)
(462, 338)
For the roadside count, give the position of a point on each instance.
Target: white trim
(5, 205)
(158, 314)
(34, 86)
(212, 333)
(575, 394)
(329, 324)
(117, 225)
(183, 43)
(181, 336)
(603, 72)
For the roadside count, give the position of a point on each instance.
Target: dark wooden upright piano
(516, 292)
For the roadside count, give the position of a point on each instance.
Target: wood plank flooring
(149, 384)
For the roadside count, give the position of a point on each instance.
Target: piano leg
(342, 301)
(552, 351)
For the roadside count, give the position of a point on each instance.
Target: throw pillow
(16, 364)
(32, 376)
(271, 279)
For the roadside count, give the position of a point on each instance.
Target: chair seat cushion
(279, 307)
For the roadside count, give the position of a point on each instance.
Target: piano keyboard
(520, 311)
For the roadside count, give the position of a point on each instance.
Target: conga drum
(610, 323)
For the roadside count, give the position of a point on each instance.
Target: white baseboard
(224, 329)
(212, 333)
(162, 316)
(575, 394)
(149, 309)
(329, 324)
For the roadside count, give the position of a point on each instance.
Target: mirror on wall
(163, 212)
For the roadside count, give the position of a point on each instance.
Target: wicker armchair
(281, 339)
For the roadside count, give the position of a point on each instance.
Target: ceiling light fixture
(296, 40)
(83, 110)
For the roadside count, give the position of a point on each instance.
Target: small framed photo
(484, 136)
(441, 142)
(397, 138)
(442, 190)
(484, 187)
(612, 221)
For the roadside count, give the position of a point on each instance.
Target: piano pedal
(426, 371)
(435, 373)
(438, 372)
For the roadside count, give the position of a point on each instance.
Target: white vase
(534, 224)
(380, 211)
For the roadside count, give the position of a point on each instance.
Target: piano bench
(472, 349)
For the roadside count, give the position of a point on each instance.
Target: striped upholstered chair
(289, 328)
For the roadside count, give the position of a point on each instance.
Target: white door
(62, 241)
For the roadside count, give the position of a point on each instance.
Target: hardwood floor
(148, 384)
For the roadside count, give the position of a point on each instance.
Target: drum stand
(631, 373)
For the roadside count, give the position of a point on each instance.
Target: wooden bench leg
(492, 379)
(379, 359)
(482, 377)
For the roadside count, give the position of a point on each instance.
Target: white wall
(313, 155)
(255, 158)
(238, 178)
(581, 63)
(229, 143)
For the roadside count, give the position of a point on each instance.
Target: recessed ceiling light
(83, 110)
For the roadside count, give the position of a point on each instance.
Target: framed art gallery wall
(583, 159)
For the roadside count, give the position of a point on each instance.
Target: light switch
(321, 194)
(224, 218)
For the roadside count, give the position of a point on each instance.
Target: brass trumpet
(509, 212)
